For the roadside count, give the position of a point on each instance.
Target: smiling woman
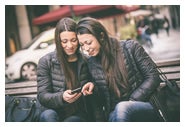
(124, 75)
(61, 71)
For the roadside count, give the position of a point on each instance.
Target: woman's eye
(81, 44)
(74, 40)
(64, 41)
(89, 42)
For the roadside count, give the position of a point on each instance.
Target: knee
(74, 119)
(48, 116)
(123, 106)
(121, 112)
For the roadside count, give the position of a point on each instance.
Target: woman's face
(89, 44)
(69, 42)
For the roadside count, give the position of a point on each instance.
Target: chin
(95, 54)
(70, 53)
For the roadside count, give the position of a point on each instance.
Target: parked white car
(23, 64)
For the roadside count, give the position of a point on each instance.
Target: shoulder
(129, 44)
(131, 47)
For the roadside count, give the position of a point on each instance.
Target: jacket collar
(56, 61)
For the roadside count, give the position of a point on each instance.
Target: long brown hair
(112, 59)
(65, 24)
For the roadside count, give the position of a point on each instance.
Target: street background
(165, 47)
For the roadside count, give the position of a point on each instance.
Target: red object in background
(96, 11)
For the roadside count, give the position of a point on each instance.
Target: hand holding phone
(69, 97)
(77, 90)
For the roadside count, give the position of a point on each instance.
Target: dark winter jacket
(51, 81)
(143, 77)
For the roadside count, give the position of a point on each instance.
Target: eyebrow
(70, 39)
(86, 41)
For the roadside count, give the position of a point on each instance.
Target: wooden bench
(21, 89)
(171, 68)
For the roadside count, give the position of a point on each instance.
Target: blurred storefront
(25, 22)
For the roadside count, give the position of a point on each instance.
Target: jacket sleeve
(44, 84)
(147, 69)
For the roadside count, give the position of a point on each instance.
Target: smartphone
(77, 90)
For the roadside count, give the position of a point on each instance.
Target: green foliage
(128, 32)
(76, 18)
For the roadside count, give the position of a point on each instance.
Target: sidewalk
(165, 47)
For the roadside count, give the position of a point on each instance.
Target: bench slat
(21, 84)
(175, 76)
(174, 62)
(27, 95)
(163, 84)
(21, 91)
(175, 69)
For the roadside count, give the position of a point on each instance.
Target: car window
(32, 41)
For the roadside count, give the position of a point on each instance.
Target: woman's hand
(70, 98)
(87, 89)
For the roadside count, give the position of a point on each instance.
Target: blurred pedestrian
(145, 32)
(166, 25)
(155, 26)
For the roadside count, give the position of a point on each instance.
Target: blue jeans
(146, 37)
(133, 111)
(52, 116)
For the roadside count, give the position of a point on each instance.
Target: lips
(69, 50)
(91, 52)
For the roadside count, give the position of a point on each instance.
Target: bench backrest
(171, 68)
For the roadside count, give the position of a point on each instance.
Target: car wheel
(28, 71)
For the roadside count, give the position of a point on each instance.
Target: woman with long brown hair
(61, 71)
(123, 72)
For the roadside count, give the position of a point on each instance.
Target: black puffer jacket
(51, 80)
(142, 76)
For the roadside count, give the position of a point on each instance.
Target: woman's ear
(102, 37)
(102, 40)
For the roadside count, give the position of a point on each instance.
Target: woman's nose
(69, 45)
(86, 48)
